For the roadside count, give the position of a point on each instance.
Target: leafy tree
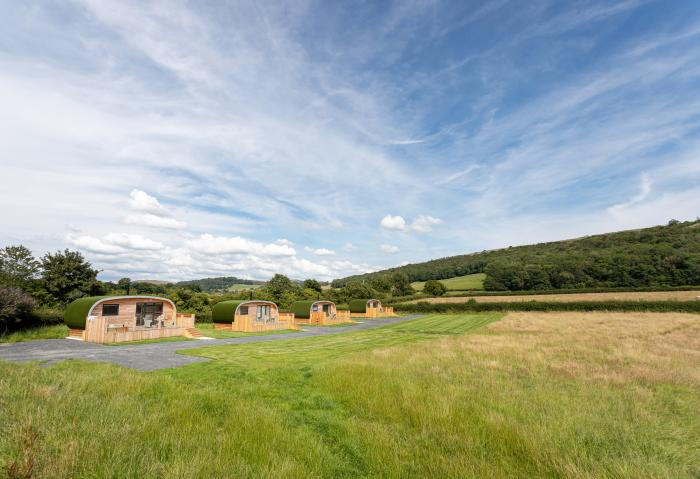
(18, 266)
(400, 284)
(355, 290)
(312, 284)
(381, 283)
(67, 276)
(278, 286)
(434, 287)
(125, 284)
(190, 301)
(15, 307)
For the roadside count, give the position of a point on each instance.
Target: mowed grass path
(311, 351)
(531, 395)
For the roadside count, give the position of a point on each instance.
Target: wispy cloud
(205, 129)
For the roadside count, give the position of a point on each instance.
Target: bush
(15, 307)
(623, 306)
(434, 287)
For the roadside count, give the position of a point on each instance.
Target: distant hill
(223, 283)
(658, 256)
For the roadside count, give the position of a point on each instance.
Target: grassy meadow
(470, 395)
(458, 283)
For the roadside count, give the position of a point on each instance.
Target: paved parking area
(148, 357)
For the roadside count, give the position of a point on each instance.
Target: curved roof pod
(225, 311)
(302, 309)
(360, 305)
(77, 312)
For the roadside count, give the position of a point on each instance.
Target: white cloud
(114, 243)
(644, 191)
(389, 248)
(319, 251)
(94, 245)
(141, 201)
(349, 247)
(395, 223)
(284, 242)
(424, 223)
(154, 221)
(133, 241)
(211, 244)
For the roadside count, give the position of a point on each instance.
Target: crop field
(620, 296)
(470, 395)
(459, 283)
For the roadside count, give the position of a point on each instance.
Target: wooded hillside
(658, 256)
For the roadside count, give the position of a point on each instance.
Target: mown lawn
(458, 283)
(467, 395)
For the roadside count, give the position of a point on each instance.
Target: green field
(459, 283)
(440, 396)
(243, 287)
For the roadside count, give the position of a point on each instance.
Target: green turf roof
(302, 309)
(76, 312)
(360, 305)
(223, 312)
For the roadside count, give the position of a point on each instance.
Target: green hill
(224, 283)
(658, 256)
(459, 283)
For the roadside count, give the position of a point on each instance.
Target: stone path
(149, 357)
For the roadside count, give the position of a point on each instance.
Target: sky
(179, 140)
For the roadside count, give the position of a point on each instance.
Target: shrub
(434, 287)
(15, 307)
(474, 306)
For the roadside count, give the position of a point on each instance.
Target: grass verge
(54, 331)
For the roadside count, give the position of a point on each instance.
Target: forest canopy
(658, 256)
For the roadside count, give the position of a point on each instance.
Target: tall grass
(440, 396)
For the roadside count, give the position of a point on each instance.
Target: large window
(110, 310)
(149, 315)
(264, 313)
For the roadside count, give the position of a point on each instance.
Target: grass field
(531, 395)
(243, 287)
(459, 283)
(621, 296)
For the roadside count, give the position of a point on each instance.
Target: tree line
(36, 290)
(659, 256)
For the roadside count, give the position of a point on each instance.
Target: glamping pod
(250, 316)
(369, 308)
(319, 312)
(111, 319)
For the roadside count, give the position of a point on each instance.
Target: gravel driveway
(148, 357)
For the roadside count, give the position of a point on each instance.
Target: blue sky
(321, 139)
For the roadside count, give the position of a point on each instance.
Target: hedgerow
(620, 306)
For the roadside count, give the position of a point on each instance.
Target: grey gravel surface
(149, 357)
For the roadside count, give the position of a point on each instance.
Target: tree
(357, 290)
(434, 287)
(312, 284)
(381, 283)
(278, 286)
(18, 267)
(400, 284)
(15, 306)
(67, 276)
(125, 284)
